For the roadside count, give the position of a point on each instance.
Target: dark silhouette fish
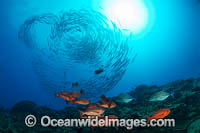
(100, 70)
(75, 84)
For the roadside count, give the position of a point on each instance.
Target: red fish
(77, 93)
(70, 96)
(91, 106)
(107, 103)
(80, 101)
(111, 105)
(66, 97)
(94, 111)
(160, 114)
(103, 99)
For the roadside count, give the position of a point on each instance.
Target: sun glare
(130, 14)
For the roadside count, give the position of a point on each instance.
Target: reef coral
(184, 106)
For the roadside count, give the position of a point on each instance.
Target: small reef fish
(80, 101)
(65, 96)
(100, 117)
(91, 106)
(123, 98)
(160, 96)
(112, 105)
(160, 114)
(98, 71)
(77, 93)
(105, 100)
(94, 111)
(65, 93)
(70, 96)
(75, 84)
(107, 103)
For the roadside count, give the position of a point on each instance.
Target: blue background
(170, 50)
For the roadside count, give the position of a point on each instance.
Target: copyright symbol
(30, 120)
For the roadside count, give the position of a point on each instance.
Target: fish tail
(148, 119)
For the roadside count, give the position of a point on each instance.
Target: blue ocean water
(170, 50)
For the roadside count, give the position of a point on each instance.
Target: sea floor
(184, 106)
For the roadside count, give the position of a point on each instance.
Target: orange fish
(112, 105)
(66, 97)
(91, 106)
(160, 114)
(94, 111)
(103, 99)
(77, 93)
(70, 96)
(107, 103)
(65, 93)
(80, 101)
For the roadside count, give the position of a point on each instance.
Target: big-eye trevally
(160, 96)
(123, 98)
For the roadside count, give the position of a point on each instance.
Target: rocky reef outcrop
(184, 106)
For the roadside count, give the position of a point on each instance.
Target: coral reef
(184, 106)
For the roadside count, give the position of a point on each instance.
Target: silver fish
(159, 96)
(123, 98)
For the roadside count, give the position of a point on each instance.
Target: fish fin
(109, 102)
(103, 99)
(148, 119)
(80, 112)
(82, 91)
